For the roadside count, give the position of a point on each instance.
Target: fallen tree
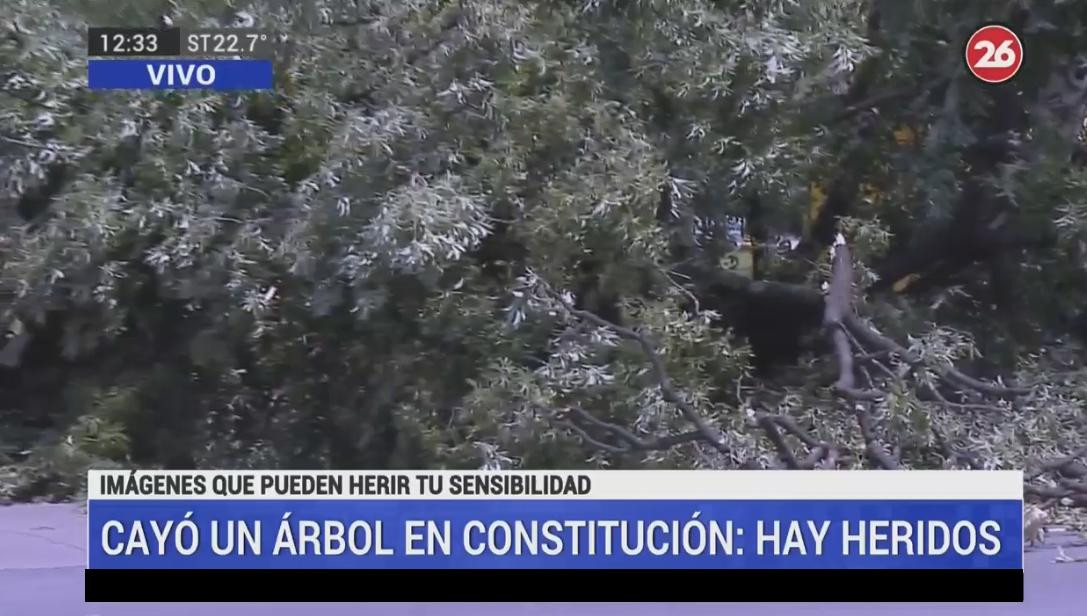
(347, 271)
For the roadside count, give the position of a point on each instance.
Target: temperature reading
(246, 43)
(253, 38)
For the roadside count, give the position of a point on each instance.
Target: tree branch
(585, 436)
(784, 451)
(873, 447)
(960, 405)
(949, 374)
(787, 424)
(710, 277)
(837, 307)
(630, 441)
(1057, 464)
(1002, 391)
(1056, 493)
(770, 424)
(660, 373)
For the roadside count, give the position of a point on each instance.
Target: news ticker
(176, 59)
(555, 536)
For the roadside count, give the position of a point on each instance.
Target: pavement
(42, 559)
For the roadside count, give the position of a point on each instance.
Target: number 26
(995, 57)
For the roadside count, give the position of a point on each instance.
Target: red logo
(994, 54)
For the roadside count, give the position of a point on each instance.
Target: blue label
(179, 74)
(556, 534)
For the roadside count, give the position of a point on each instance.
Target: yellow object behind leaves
(904, 283)
(904, 135)
(818, 199)
(870, 194)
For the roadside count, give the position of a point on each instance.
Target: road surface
(42, 559)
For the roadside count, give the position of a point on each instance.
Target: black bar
(133, 42)
(545, 585)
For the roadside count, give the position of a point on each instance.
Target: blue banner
(180, 74)
(555, 534)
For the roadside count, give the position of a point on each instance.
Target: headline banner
(612, 525)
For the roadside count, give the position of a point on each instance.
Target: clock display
(133, 42)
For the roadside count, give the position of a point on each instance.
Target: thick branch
(1058, 464)
(709, 277)
(872, 338)
(1056, 493)
(1079, 487)
(839, 301)
(846, 383)
(1068, 488)
(837, 307)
